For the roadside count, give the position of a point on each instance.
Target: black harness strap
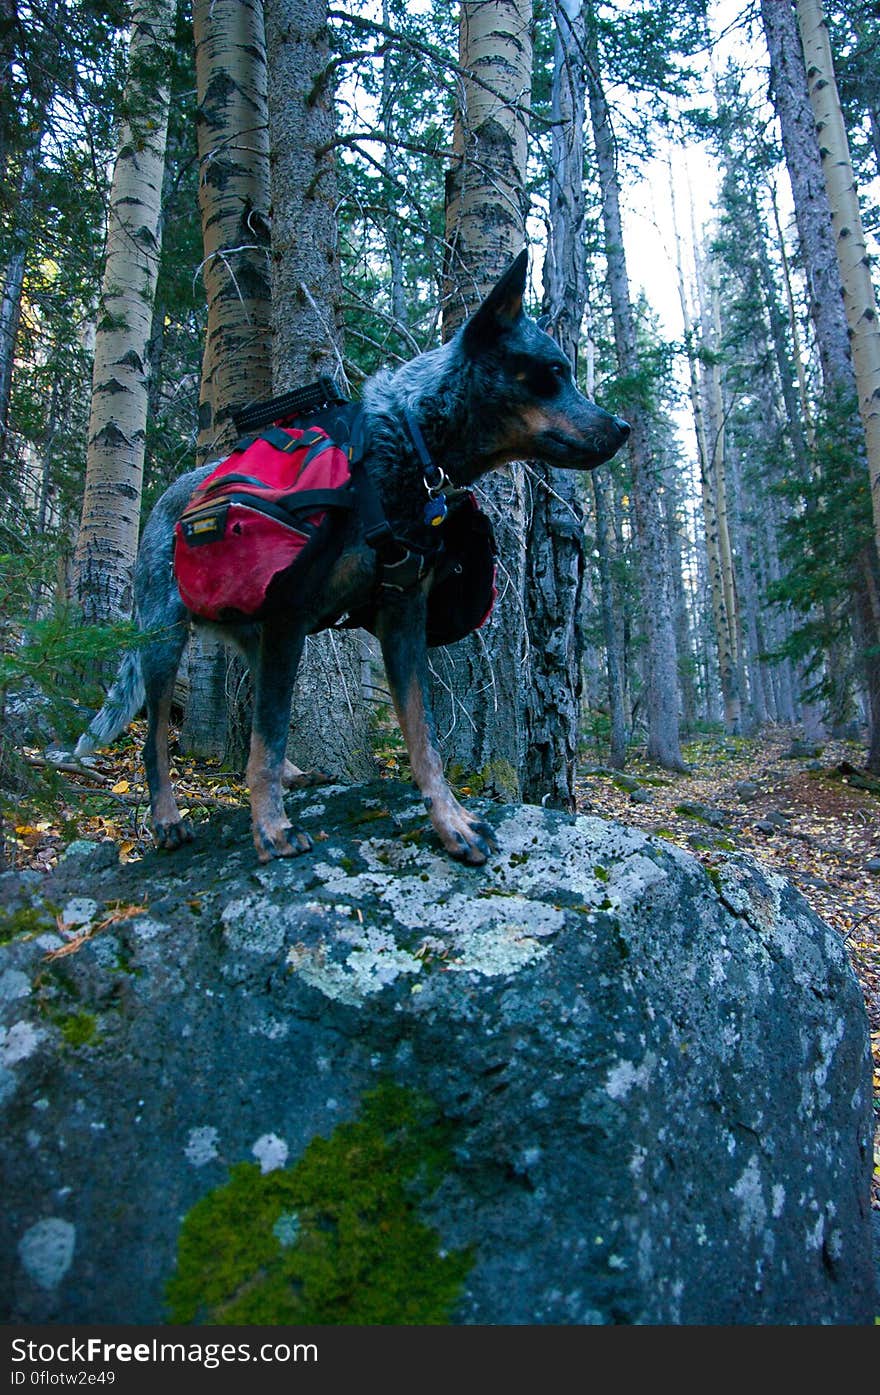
(403, 563)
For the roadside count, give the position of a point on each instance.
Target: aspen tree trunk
(233, 145)
(812, 211)
(555, 558)
(478, 687)
(859, 299)
(330, 725)
(233, 142)
(815, 230)
(486, 201)
(108, 534)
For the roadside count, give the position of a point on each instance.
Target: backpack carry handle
(299, 402)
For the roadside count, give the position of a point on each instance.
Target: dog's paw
(280, 841)
(295, 779)
(173, 834)
(466, 838)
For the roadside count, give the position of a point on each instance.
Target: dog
(500, 390)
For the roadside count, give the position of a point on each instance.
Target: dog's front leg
(401, 631)
(275, 668)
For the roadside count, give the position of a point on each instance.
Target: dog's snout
(623, 427)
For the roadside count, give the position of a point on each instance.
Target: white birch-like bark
(859, 298)
(233, 143)
(816, 233)
(478, 687)
(108, 534)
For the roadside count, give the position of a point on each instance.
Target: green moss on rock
(499, 777)
(335, 1239)
(78, 1028)
(26, 921)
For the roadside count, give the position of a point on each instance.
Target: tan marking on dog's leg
(292, 778)
(270, 822)
(462, 835)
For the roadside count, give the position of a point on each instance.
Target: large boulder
(588, 1083)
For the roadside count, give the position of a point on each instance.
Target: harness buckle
(379, 534)
(406, 572)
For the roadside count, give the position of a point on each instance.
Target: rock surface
(588, 1083)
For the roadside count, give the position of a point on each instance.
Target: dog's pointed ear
(500, 310)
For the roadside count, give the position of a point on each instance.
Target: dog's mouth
(576, 453)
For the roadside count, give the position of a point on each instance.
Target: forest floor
(808, 813)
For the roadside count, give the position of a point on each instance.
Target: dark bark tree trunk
(13, 285)
(330, 725)
(555, 558)
(610, 626)
(662, 696)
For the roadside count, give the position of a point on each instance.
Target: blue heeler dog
(501, 390)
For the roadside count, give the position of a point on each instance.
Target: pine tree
(663, 701)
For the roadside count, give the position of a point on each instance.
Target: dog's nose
(623, 427)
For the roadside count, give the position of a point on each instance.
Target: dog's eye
(546, 379)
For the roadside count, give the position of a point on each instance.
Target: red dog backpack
(262, 511)
(266, 512)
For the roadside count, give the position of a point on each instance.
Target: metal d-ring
(443, 480)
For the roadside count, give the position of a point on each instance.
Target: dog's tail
(121, 705)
